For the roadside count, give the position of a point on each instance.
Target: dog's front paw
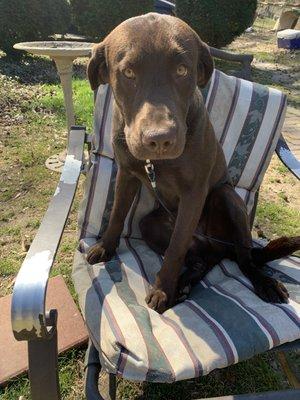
(271, 291)
(98, 253)
(157, 299)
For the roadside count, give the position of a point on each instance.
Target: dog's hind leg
(228, 219)
(196, 269)
(267, 288)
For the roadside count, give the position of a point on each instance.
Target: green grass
(83, 102)
(266, 77)
(70, 376)
(282, 169)
(280, 56)
(7, 266)
(265, 56)
(26, 143)
(278, 219)
(264, 23)
(246, 377)
(251, 376)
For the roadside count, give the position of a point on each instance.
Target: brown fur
(161, 116)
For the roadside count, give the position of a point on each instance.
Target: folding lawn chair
(221, 323)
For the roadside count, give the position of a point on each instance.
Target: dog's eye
(128, 72)
(181, 70)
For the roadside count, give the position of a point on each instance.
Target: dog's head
(153, 63)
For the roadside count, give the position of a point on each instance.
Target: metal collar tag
(149, 168)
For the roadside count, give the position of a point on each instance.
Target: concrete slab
(71, 329)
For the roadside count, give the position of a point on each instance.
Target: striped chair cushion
(222, 322)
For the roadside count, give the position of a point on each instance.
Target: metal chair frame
(32, 323)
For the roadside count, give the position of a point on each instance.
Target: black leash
(149, 168)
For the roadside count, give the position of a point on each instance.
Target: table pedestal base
(56, 162)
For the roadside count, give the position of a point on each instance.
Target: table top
(57, 48)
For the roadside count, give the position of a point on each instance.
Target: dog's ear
(205, 64)
(97, 70)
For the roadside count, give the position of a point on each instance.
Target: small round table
(63, 53)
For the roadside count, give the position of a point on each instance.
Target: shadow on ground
(30, 70)
(273, 76)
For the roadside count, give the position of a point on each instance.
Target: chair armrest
(165, 7)
(244, 59)
(287, 157)
(28, 316)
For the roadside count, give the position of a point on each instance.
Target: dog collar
(149, 168)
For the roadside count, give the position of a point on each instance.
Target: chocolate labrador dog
(154, 64)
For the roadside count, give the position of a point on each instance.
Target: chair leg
(92, 372)
(112, 387)
(292, 378)
(43, 368)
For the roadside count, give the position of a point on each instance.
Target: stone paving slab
(71, 329)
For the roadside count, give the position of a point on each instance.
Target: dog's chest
(169, 183)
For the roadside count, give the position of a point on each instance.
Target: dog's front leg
(125, 190)
(162, 295)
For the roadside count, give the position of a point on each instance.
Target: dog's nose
(160, 141)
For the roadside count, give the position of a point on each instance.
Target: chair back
(247, 118)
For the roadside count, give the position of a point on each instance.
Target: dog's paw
(157, 299)
(98, 253)
(272, 291)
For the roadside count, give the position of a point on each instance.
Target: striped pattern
(223, 321)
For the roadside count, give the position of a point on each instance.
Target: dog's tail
(275, 249)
